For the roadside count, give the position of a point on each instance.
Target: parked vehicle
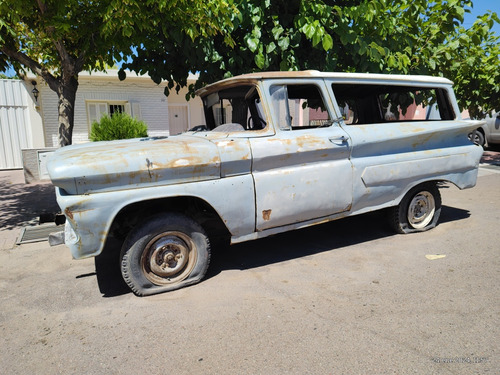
(489, 133)
(279, 151)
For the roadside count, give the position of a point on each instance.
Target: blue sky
(480, 8)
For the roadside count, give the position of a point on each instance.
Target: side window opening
(234, 109)
(299, 107)
(370, 104)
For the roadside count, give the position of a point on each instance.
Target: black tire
(166, 252)
(477, 137)
(418, 211)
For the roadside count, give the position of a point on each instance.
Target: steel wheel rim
(421, 210)
(168, 258)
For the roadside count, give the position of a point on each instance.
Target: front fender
(91, 216)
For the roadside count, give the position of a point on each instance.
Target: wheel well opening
(196, 208)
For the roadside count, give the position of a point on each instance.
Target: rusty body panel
(91, 216)
(294, 162)
(387, 167)
(301, 176)
(116, 165)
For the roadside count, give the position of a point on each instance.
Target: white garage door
(15, 130)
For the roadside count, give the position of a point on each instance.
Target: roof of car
(343, 77)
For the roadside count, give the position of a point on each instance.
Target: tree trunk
(65, 86)
(66, 92)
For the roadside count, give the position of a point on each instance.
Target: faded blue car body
(279, 170)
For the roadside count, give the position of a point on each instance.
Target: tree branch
(80, 61)
(33, 66)
(42, 6)
(67, 61)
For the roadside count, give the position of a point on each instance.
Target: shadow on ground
(23, 204)
(282, 247)
(491, 155)
(314, 240)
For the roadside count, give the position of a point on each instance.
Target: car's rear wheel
(166, 252)
(418, 211)
(477, 137)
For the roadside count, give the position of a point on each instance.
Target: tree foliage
(220, 38)
(58, 39)
(378, 36)
(5, 76)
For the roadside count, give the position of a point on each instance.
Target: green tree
(423, 37)
(58, 39)
(378, 36)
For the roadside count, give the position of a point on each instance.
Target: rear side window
(369, 104)
(299, 107)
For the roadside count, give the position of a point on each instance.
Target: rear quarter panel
(390, 158)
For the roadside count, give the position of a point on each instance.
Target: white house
(32, 124)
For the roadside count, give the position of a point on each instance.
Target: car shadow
(107, 269)
(491, 156)
(283, 247)
(493, 148)
(449, 214)
(331, 236)
(300, 243)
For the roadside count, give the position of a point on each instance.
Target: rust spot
(308, 142)
(68, 213)
(266, 214)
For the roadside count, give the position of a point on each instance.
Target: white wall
(20, 122)
(100, 87)
(195, 106)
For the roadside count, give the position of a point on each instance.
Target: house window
(116, 108)
(96, 110)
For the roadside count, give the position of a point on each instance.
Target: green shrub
(118, 126)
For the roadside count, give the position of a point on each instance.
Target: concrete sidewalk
(22, 204)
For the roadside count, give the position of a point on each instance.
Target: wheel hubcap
(168, 258)
(421, 210)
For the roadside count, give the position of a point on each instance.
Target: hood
(133, 163)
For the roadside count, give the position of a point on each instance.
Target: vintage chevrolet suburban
(279, 151)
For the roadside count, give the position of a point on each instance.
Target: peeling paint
(150, 166)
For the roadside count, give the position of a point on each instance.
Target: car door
(493, 124)
(303, 172)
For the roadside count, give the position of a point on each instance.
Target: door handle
(336, 140)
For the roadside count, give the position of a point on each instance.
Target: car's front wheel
(166, 252)
(418, 211)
